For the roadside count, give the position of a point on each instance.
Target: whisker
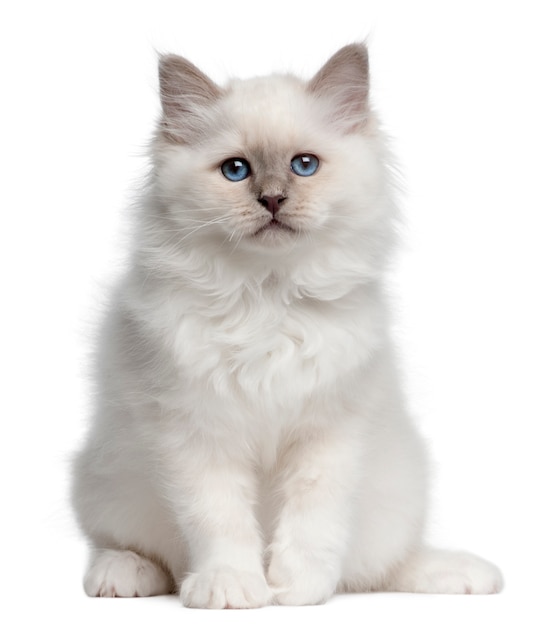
(190, 230)
(201, 222)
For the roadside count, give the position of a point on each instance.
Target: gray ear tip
(359, 47)
(164, 58)
(358, 51)
(164, 64)
(170, 62)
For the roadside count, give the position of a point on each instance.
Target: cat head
(270, 165)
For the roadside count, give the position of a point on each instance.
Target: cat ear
(187, 95)
(344, 82)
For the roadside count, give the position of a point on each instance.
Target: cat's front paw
(225, 588)
(298, 579)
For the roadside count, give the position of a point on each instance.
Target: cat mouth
(273, 226)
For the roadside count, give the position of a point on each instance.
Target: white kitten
(250, 442)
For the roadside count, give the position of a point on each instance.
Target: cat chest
(263, 352)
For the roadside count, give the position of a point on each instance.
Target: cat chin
(273, 235)
(273, 226)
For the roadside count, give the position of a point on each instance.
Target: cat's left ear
(187, 96)
(344, 82)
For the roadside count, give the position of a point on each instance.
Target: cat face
(268, 164)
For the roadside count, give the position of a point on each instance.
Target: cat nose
(272, 203)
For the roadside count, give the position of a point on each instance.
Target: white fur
(250, 440)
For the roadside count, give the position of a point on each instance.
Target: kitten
(250, 442)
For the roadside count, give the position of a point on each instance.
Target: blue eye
(236, 169)
(304, 164)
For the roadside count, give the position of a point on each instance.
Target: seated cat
(251, 443)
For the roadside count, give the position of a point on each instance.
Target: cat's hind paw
(440, 571)
(124, 574)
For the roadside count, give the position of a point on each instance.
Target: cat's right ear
(344, 83)
(187, 96)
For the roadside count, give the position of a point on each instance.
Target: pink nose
(272, 203)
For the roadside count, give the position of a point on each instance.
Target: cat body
(250, 442)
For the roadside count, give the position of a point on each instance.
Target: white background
(456, 84)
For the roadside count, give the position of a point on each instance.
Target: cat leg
(429, 570)
(214, 504)
(125, 574)
(126, 520)
(316, 484)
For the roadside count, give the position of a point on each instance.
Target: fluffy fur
(250, 441)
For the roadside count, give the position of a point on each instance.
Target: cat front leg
(213, 497)
(316, 483)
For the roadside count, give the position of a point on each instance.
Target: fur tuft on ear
(344, 81)
(186, 94)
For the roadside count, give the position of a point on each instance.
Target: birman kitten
(250, 442)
